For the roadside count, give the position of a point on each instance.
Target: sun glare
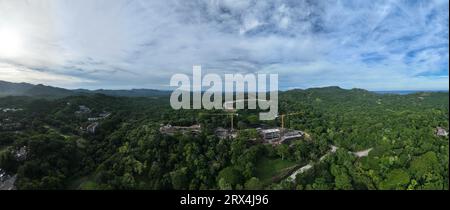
(10, 43)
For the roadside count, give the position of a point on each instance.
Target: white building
(270, 135)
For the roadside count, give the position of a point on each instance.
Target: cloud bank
(376, 45)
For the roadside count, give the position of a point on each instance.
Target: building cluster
(83, 110)
(7, 181)
(93, 121)
(223, 133)
(8, 124)
(274, 136)
(10, 110)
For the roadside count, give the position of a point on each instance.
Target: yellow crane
(284, 115)
(231, 114)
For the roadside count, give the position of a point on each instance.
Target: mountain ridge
(46, 91)
(40, 90)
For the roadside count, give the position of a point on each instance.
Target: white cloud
(22, 74)
(118, 43)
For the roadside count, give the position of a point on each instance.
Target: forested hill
(26, 89)
(358, 118)
(52, 144)
(335, 99)
(49, 92)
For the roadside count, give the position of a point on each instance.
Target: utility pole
(232, 123)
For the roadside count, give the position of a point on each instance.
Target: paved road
(363, 153)
(303, 169)
(300, 171)
(229, 105)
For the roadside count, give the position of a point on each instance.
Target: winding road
(303, 169)
(227, 104)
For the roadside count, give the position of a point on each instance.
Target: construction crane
(284, 115)
(232, 114)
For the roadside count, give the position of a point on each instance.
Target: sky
(118, 44)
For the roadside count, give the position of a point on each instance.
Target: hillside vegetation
(127, 151)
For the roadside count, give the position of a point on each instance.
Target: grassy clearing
(88, 185)
(83, 183)
(3, 149)
(267, 168)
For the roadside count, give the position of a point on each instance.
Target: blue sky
(375, 45)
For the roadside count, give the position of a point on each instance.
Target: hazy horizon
(312, 87)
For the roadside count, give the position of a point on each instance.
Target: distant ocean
(406, 92)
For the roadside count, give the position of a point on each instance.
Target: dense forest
(51, 143)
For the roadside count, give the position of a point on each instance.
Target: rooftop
(273, 130)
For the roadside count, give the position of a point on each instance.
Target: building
(101, 116)
(104, 115)
(441, 132)
(7, 182)
(11, 110)
(270, 135)
(94, 118)
(2, 175)
(221, 133)
(171, 130)
(92, 127)
(290, 136)
(82, 109)
(21, 154)
(275, 136)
